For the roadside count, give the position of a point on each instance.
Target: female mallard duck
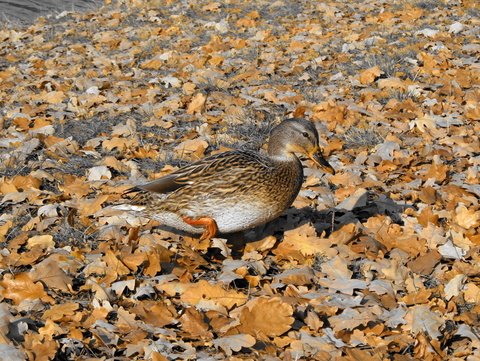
(235, 190)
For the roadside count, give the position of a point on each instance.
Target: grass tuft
(368, 136)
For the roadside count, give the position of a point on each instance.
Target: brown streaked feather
(211, 167)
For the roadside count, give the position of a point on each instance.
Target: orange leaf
(57, 312)
(369, 75)
(197, 103)
(265, 317)
(50, 273)
(194, 325)
(305, 240)
(205, 291)
(466, 217)
(20, 287)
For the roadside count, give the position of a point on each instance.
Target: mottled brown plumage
(235, 190)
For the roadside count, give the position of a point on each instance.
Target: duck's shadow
(327, 221)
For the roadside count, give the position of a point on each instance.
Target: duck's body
(236, 190)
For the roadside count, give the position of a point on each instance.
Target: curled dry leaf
(234, 343)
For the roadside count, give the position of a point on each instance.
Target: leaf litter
(379, 261)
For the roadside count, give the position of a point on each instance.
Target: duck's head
(297, 136)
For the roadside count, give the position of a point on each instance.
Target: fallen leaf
(234, 343)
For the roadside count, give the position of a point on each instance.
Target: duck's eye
(305, 134)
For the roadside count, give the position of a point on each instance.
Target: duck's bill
(321, 162)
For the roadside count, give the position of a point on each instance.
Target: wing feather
(208, 168)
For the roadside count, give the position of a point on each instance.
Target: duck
(235, 190)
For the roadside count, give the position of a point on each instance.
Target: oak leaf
(422, 319)
(44, 241)
(58, 312)
(466, 218)
(264, 317)
(194, 324)
(234, 343)
(51, 273)
(304, 239)
(20, 287)
(205, 291)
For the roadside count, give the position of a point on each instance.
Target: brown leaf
(20, 287)
(425, 264)
(64, 311)
(194, 324)
(265, 317)
(50, 272)
(203, 291)
(115, 264)
(369, 75)
(234, 343)
(157, 314)
(197, 103)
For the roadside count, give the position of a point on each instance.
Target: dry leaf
(234, 343)
(21, 288)
(262, 317)
(369, 75)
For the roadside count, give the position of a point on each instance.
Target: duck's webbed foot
(208, 224)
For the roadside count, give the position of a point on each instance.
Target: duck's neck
(277, 149)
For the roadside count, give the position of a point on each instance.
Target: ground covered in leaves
(380, 261)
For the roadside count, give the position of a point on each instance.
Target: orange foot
(208, 224)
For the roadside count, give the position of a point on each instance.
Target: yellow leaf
(20, 287)
(54, 97)
(391, 84)
(44, 242)
(197, 103)
(57, 312)
(369, 75)
(466, 218)
(264, 316)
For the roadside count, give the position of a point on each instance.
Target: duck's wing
(206, 170)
